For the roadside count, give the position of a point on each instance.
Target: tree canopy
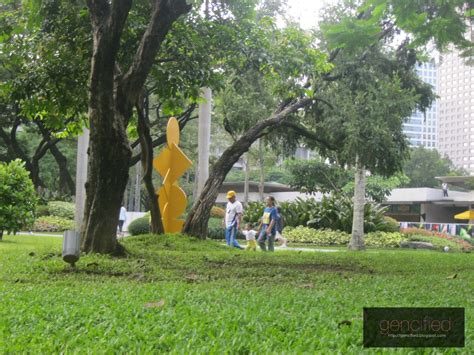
(425, 165)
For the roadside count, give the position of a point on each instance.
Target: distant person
(267, 228)
(445, 189)
(232, 219)
(122, 219)
(279, 229)
(250, 237)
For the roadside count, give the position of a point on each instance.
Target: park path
(307, 249)
(40, 234)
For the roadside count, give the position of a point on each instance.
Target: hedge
(52, 224)
(61, 209)
(139, 226)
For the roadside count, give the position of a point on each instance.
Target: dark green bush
(52, 224)
(41, 211)
(299, 212)
(61, 209)
(295, 213)
(335, 212)
(139, 226)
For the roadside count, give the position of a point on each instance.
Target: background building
(456, 111)
(421, 129)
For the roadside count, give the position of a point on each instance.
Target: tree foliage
(17, 196)
(312, 176)
(425, 165)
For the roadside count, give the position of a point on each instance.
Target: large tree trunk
(196, 223)
(147, 165)
(261, 162)
(112, 97)
(357, 238)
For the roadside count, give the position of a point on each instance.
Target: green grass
(216, 300)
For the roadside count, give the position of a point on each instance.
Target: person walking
(250, 237)
(232, 219)
(267, 228)
(445, 189)
(122, 219)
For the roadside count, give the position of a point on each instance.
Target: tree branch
(182, 121)
(164, 13)
(300, 129)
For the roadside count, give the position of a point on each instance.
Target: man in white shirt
(233, 217)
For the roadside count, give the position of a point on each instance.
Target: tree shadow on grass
(8, 241)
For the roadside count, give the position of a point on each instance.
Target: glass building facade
(421, 128)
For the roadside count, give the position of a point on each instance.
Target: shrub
(17, 197)
(411, 232)
(52, 224)
(41, 211)
(390, 225)
(253, 212)
(217, 212)
(139, 226)
(299, 212)
(218, 233)
(61, 209)
(335, 212)
(214, 223)
(438, 243)
(295, 213)
(384, 239)
(327, 237)
(323, 237)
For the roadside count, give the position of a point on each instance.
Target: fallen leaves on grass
(344, 322)
(158, 304)
(192, 277)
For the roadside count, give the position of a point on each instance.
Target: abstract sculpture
(171, 163)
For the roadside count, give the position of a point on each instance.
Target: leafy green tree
(18, 197)
(362, 28)
(312, 176)
(43, 82)
(424, 165)
(378, 188)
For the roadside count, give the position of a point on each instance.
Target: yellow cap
(230, 194)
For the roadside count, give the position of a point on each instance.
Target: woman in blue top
(267, 227)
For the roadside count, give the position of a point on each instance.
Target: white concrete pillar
(81, 177)
(204, 138)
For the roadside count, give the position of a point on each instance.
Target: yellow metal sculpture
(171, 163)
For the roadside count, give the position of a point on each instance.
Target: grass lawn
(187, 296)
